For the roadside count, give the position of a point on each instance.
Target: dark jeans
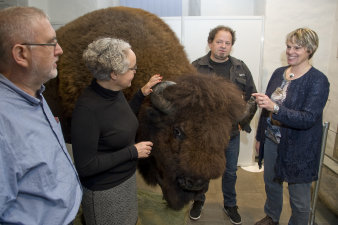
(229, 177)
(300, 194)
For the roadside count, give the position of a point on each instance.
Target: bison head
(189, 122)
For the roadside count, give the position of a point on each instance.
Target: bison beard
(190, 134)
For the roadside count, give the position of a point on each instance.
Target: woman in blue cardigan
(289, 132)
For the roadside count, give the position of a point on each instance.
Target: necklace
(288, 76)
(299, 73)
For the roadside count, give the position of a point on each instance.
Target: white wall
(330, 113)
(8, 3)
(259, 7)
(227, 7)
(64, 11)
(107, 3)
(42, 4)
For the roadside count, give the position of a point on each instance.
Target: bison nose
(191, 184)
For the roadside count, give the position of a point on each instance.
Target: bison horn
(157, 98)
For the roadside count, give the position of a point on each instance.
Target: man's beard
(221, 57)
(52, 73)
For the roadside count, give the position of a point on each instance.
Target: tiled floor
(250, 199)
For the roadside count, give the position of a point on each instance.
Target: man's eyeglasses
(133, 68)
(45, 44)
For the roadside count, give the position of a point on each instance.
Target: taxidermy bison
(188, 121)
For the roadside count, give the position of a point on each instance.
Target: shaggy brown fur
(157, 49)
(190, 142)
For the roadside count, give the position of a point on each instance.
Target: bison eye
(178, 133)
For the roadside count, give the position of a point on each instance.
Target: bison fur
(189, 141)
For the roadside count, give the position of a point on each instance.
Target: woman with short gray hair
(107, 55)
(104, 127)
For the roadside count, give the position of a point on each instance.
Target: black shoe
(196, 209)
(233, 214)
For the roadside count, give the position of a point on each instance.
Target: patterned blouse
(278, 96)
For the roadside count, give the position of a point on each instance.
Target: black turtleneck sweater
(104, 127)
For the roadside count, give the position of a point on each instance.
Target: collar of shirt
(26, 96)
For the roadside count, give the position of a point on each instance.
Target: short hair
(107, 55)
(304, 37)
(16, 27)
(215, 30)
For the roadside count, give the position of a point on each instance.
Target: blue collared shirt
(38, 181)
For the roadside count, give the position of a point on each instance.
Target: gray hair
(16, 27)
(306, 38)
(107, 55)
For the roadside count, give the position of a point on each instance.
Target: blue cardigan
(301, 117)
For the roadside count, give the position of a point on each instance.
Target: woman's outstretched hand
(155, 79)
